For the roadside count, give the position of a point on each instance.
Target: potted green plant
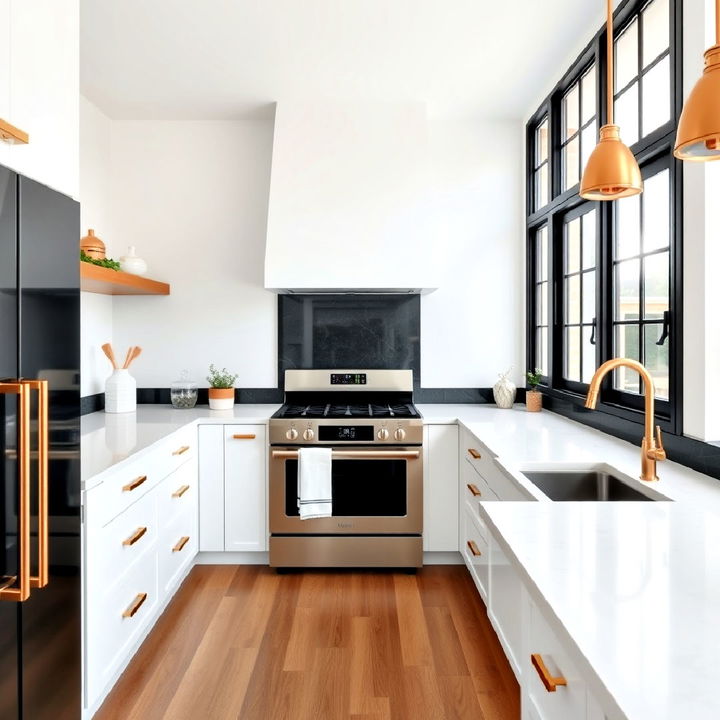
(221, 394)
(533, 397)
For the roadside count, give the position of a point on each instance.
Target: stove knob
(383, 434)
(308, 434)
(291, 434)
(400, 434)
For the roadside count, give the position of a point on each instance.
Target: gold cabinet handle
(180, 544)
(551, 683)
(137, 482)
(135, 536)
(135, 605)
(20, 590)
(474, 549)
(244, 436)
(11, 134)
(474, 489)
(181, 450)
(474, 454)
(181, 491)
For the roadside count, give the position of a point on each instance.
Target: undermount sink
(591, 485)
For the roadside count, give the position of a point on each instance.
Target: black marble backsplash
(349, 331)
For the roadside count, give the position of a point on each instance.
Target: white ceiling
(217, 59)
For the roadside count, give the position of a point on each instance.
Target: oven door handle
(355, 454)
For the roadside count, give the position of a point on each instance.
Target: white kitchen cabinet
(474, 549)
(245, 476)
(440, 491)
(40, 89)
(211, 471)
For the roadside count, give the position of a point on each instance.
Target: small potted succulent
(533, 397)
(221, 394)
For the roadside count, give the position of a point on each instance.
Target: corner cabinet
(233, 488)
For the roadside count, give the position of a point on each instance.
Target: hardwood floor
(243, 642)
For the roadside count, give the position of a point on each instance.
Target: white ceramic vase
(504, 391)
(120, 392)
(133, 264)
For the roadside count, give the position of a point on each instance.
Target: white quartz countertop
(110, 438)
(635, 588)
(545, 440)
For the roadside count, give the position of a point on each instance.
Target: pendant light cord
(717, 22)
(610, 59)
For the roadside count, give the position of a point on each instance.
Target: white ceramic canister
(120, 392)
(504, 391)
(133, 264)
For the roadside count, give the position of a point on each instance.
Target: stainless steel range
(375, 433)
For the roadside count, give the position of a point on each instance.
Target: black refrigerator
(40, 499)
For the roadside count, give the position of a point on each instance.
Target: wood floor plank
(244, 643)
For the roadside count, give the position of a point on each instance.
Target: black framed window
(605, 279)
(541, 165)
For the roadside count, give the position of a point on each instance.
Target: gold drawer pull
(474, 454)
(181, 543)
(181, 450)
(551, 683)
(137, 482)
(474, 489)
(244, 436)
(135, 605)
(181, 491)
(135, 536)
(474, 549)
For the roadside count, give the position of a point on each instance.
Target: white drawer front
(116, 618)
(566, 702)
(178, 449)
(177, 493)
(177, 547)
(475, 552)
(115, 547)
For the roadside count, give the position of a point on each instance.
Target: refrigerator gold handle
(20, 590)
(41, 579)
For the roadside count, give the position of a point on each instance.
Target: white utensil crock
(120, 392)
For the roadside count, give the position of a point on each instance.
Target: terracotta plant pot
(533, 401)
(221, 398)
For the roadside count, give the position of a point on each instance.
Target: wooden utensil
(107, 349)
(136, 350)
(127, 357)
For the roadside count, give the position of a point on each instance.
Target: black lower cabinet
(40, 512)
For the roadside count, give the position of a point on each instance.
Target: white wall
(192, 196)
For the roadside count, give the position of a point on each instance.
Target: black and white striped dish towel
(315, 483)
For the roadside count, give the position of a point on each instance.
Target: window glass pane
(627, 290)
(588, 240)
(572, 299)
(571, 110)
(627, 344)
(542, 304)
(656, 30)
(588, 356)
(657, 285)
(541, 350)
(627, 115)
(571, 174)
(656, 96)
(588, 141)
(572, 353)
(656, 211)
(588, 299)
(627, 236)
(542, 254)
(656, 360)
(588, 95)
(572, 246)
(626, 56)
(541, 143)
(541, 187)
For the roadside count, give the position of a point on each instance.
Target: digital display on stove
(339, 433)
(348, 379)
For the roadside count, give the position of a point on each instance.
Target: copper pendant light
(611, 171)
(698, 133)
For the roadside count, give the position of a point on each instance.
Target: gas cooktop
(354, 410)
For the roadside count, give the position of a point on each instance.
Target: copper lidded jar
(93, 246)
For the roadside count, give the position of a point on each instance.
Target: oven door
(374, 491)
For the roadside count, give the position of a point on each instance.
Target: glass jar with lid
(184, 392)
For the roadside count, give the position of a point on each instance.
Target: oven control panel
(329, 432)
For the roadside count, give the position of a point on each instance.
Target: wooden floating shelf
(97, 279)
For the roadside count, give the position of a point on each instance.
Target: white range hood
(350, 205)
